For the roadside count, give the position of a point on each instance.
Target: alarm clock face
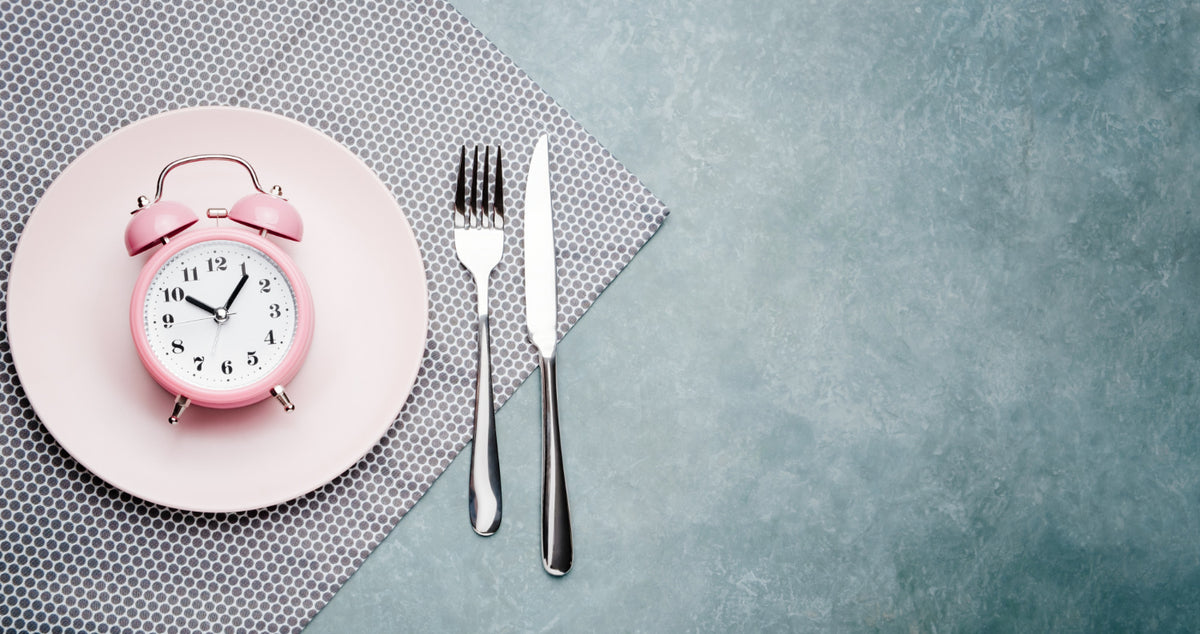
(220, 315)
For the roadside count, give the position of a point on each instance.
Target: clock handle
(162, 177)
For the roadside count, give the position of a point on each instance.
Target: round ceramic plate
(68, 314)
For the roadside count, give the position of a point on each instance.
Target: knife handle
(556, 514)
(483, 494)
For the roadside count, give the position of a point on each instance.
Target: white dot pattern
(402, 85)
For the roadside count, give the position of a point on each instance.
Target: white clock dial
(204, 338)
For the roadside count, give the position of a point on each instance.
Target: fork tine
(475, 189)
(460, 193)
(485, 211)
(499, 200)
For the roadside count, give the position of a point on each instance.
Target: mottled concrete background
(916, 351)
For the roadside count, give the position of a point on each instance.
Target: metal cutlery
(479, 242)
(541, 309)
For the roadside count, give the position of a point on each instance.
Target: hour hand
(201, 305)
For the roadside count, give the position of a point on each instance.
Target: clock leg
(181, 403)
(282, 397)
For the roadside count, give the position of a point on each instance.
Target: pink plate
(68, 314)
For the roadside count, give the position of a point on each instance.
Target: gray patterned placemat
(401, 85)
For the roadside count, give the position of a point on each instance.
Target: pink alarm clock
(221, 317)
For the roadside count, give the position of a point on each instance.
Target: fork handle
(483, 495)
(557, 551)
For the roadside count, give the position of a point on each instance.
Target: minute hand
(237, 289)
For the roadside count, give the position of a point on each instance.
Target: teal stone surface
(918, 349)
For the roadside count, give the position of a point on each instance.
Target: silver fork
(479, 241)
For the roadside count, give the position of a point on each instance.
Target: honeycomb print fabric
(401, 85)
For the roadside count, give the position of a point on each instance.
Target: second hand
(198, 320)
(192, 321)
(216, 338)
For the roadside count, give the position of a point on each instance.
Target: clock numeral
(220, 264)
(177, 346)
(168, 320)
(244, 269)
(199, 361)
(227, 367)
(251, 358)
(264, 286)
(173, 294)
(274, 311)
(270, 338)
(190, 275)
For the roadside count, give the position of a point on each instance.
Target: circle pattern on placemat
(400, 86)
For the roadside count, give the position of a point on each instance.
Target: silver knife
(541, 312)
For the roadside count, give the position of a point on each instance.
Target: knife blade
(541, 315)
(541, 288)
